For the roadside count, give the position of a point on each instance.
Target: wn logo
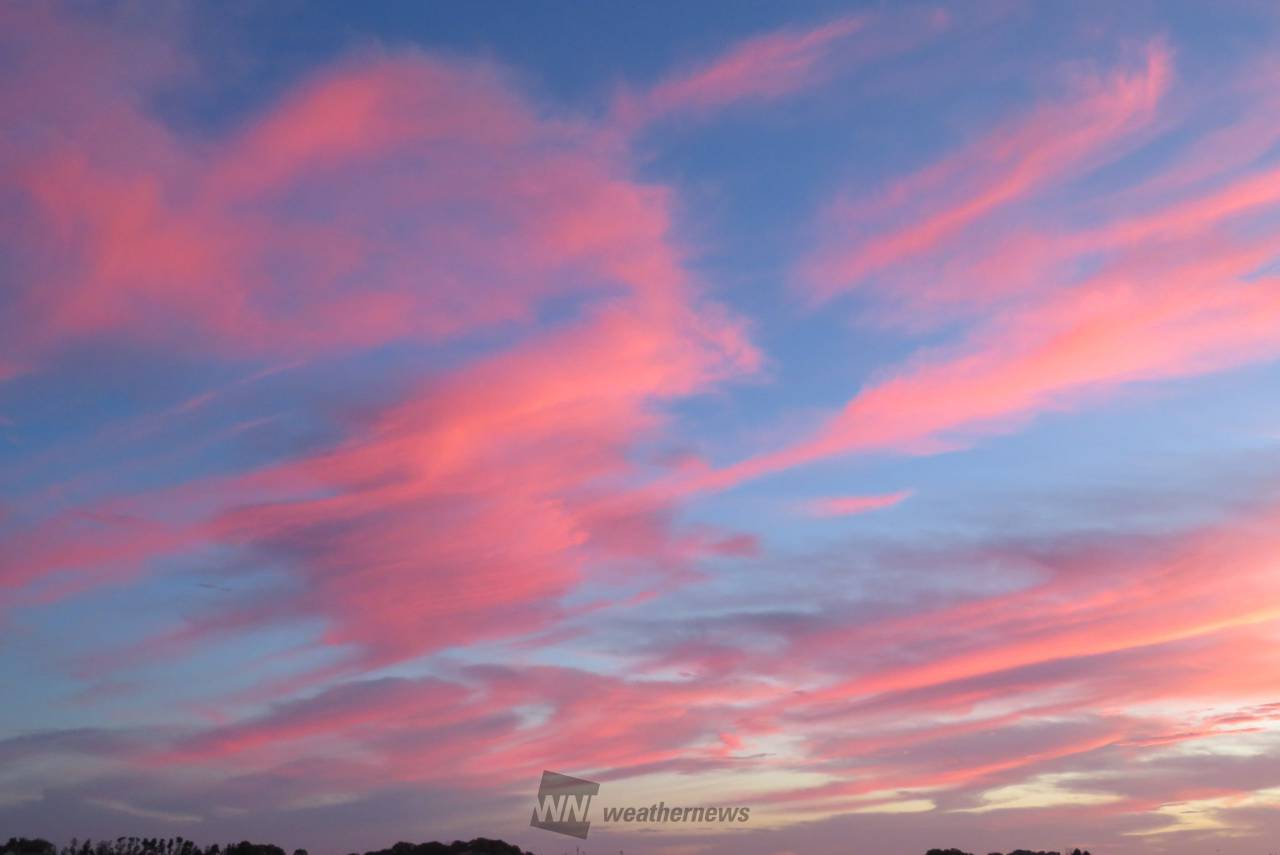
(563, 803)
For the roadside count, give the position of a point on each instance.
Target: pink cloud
(838, 506)
(1184, 279)
(423, 729)
(391, 196)
(1084, 635)
(1073, 346)
(940, 203)
(87, 547)
(525, 443)
(952, 700)
(761, 68)
(1061, 673)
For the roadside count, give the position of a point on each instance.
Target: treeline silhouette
(1014, 852)
(182, 846)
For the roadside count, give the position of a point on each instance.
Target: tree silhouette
(182, 846)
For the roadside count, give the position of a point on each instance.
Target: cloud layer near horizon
(381, 439)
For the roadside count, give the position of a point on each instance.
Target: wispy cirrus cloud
(760, 68)
(778, 64)
(838, 506)
(936, 206)
(1189, 278)
(1118, 650)
(390, 197)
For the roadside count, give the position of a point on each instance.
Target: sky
(866, 414)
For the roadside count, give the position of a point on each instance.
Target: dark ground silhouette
(1014, 852)
(182, 846)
